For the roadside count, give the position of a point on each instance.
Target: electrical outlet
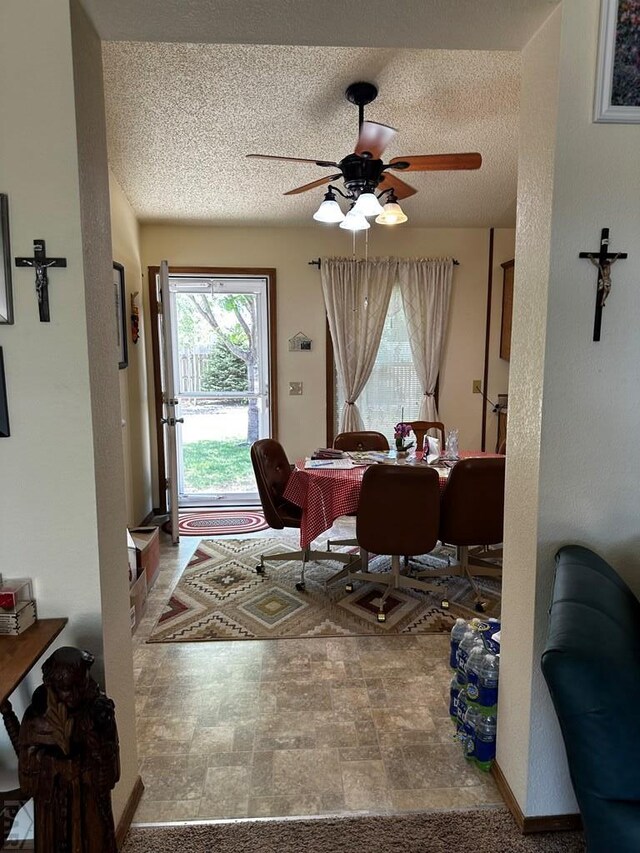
(477, 386)
(295, 389)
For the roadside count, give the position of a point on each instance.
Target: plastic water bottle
(462, 708)
(469, 730)
(485, 742)
(473, 669)
(488, 682)
(457, 633)
(454, 692)
(466, 644)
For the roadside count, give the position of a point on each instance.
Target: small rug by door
(220, 522)
(221, 597)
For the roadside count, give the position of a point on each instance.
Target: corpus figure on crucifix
(604, 277)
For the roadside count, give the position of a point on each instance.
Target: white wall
(575, 177)
(300, 306)
(61, 501)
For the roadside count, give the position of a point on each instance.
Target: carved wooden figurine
(69, 758)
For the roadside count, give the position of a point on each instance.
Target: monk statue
(69, 759)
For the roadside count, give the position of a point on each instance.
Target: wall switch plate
(477, 386)
(295, 389)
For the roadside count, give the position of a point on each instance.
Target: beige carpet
(221, 597)
(473, 831)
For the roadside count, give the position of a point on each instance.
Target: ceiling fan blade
(314, 184)
(400, 188)
(374, 138)
(436, 162)
(292, 159)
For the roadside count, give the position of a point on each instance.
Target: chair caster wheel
(444, 604)
(480, 606)
(348, 587)
(382, 617)
(300, 586)
(260, 570)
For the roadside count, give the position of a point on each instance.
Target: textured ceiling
(181, 117)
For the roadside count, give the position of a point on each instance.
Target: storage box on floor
(143, 544)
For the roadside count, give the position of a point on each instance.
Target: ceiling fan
(364, 173)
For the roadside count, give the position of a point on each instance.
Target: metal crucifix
(604, 260)
(41, 263)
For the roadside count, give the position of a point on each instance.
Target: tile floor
(294, 727)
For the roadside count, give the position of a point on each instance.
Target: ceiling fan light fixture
(368, 205)
(392, 214)
(354, 221)
(329, 210)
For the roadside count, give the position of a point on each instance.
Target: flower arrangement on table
(401, 433)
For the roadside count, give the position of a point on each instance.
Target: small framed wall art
(120, 310)
(6, 296)
(617, 97)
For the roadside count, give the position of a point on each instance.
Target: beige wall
(125, 235)
(498, 379)
(62, 501)
(300, 306)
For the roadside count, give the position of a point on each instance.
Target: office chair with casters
(421, 428)
(272, 471)
(361, 441)
(472, 514)
(398, 514)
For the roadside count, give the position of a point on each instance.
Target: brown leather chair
(398, 514)
(272, 471)
(361, 441)
(421, 428)
(472, 514)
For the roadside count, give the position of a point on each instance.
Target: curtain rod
(318, 263)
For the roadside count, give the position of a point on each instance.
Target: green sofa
(591, 664)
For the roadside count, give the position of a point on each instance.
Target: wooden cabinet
(507, 309)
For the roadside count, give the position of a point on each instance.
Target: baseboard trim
(148, 518)
(539, 823)
(129, 811)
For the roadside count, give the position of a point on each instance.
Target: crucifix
(604, 260)
(41, 263)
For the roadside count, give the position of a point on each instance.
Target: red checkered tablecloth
(325, 494)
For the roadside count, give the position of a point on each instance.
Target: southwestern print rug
(220, 522)
(221, 597)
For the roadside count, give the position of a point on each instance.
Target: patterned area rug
(220, 522)
(220, 597)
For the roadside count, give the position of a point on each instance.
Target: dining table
(325, 493)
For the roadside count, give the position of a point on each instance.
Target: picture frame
(617, 94)
(6, 292)
(5, 432)
(121, 317)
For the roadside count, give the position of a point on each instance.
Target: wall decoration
(618, 77)
(41, 263)
(300, 343)
(135, 318)
(121, 323)
(603, 260)
(4, 409)
(6, 296)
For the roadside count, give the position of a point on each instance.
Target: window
(393, 384)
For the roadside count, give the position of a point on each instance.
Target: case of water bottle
(475, 659)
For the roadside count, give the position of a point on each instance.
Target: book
(18, 621)
(328, 453)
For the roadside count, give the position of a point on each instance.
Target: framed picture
(121, 322)
(4, 409)
(618, 76)
(6, 296)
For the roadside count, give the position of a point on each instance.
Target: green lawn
(217, 466)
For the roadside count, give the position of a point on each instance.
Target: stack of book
(17, 606)
(328, 453)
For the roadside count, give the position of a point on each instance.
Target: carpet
(220, 522)
(221, 597)
(431, 832)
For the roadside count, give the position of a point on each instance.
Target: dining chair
(361, 441)
(398, 515)
(472, 514)
(272, 471)
(421, 428)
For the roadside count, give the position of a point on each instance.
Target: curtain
(356, 296)
(426, 289)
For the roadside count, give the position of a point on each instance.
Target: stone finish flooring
(259, 728)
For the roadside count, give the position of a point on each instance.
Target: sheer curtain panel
(426, 290)
(356, 296)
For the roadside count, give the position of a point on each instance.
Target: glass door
(220, 354)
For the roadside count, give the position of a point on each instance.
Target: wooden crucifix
(604, 260)
(41, 263)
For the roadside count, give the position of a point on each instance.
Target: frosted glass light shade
(368, 205)
(329, 211)
(392, 214)
(354, 221)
